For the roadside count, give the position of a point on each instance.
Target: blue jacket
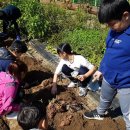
(115, 65)
(5, 59)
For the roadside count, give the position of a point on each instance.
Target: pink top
(8, 89)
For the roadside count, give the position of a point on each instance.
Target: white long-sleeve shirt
(78, 61)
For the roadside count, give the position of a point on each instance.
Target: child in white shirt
(75, 67)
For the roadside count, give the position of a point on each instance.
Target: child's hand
(54, 89)
(81, 77)
(97, 76)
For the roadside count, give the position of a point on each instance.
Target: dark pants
(19, 96)
(82, 70)
(7, 25)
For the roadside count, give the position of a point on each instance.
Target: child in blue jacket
(115, 66)
(9, 55)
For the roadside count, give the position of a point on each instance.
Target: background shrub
(54, 25)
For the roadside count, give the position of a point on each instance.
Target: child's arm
(86, 75)
(54, 87)
(57, 72)
(90, 72)
(87, 64)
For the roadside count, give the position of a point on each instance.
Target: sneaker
(93, 115)
(82, 91)
(12, 115)
(71, 85)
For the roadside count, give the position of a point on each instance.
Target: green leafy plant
(33, 20)
(56, 25)
(89, 43)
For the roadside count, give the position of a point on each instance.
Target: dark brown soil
(64, 111)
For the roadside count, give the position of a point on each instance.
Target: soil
(65, 110)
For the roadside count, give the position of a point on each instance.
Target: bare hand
(81, 77)
(97, 76)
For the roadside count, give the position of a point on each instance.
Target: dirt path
(65, 110)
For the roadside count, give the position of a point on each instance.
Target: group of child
(114, 70)
(12, 73)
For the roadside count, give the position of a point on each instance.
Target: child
(115, 66)
(9, 87)
(75, 67)
(32, 117)
(9, 15)
(9, 55)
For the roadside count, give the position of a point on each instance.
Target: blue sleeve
(4, 64)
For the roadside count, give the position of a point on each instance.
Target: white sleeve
(59, 67)
(86, 63)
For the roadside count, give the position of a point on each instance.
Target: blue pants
(106, 98)
(82, 70)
